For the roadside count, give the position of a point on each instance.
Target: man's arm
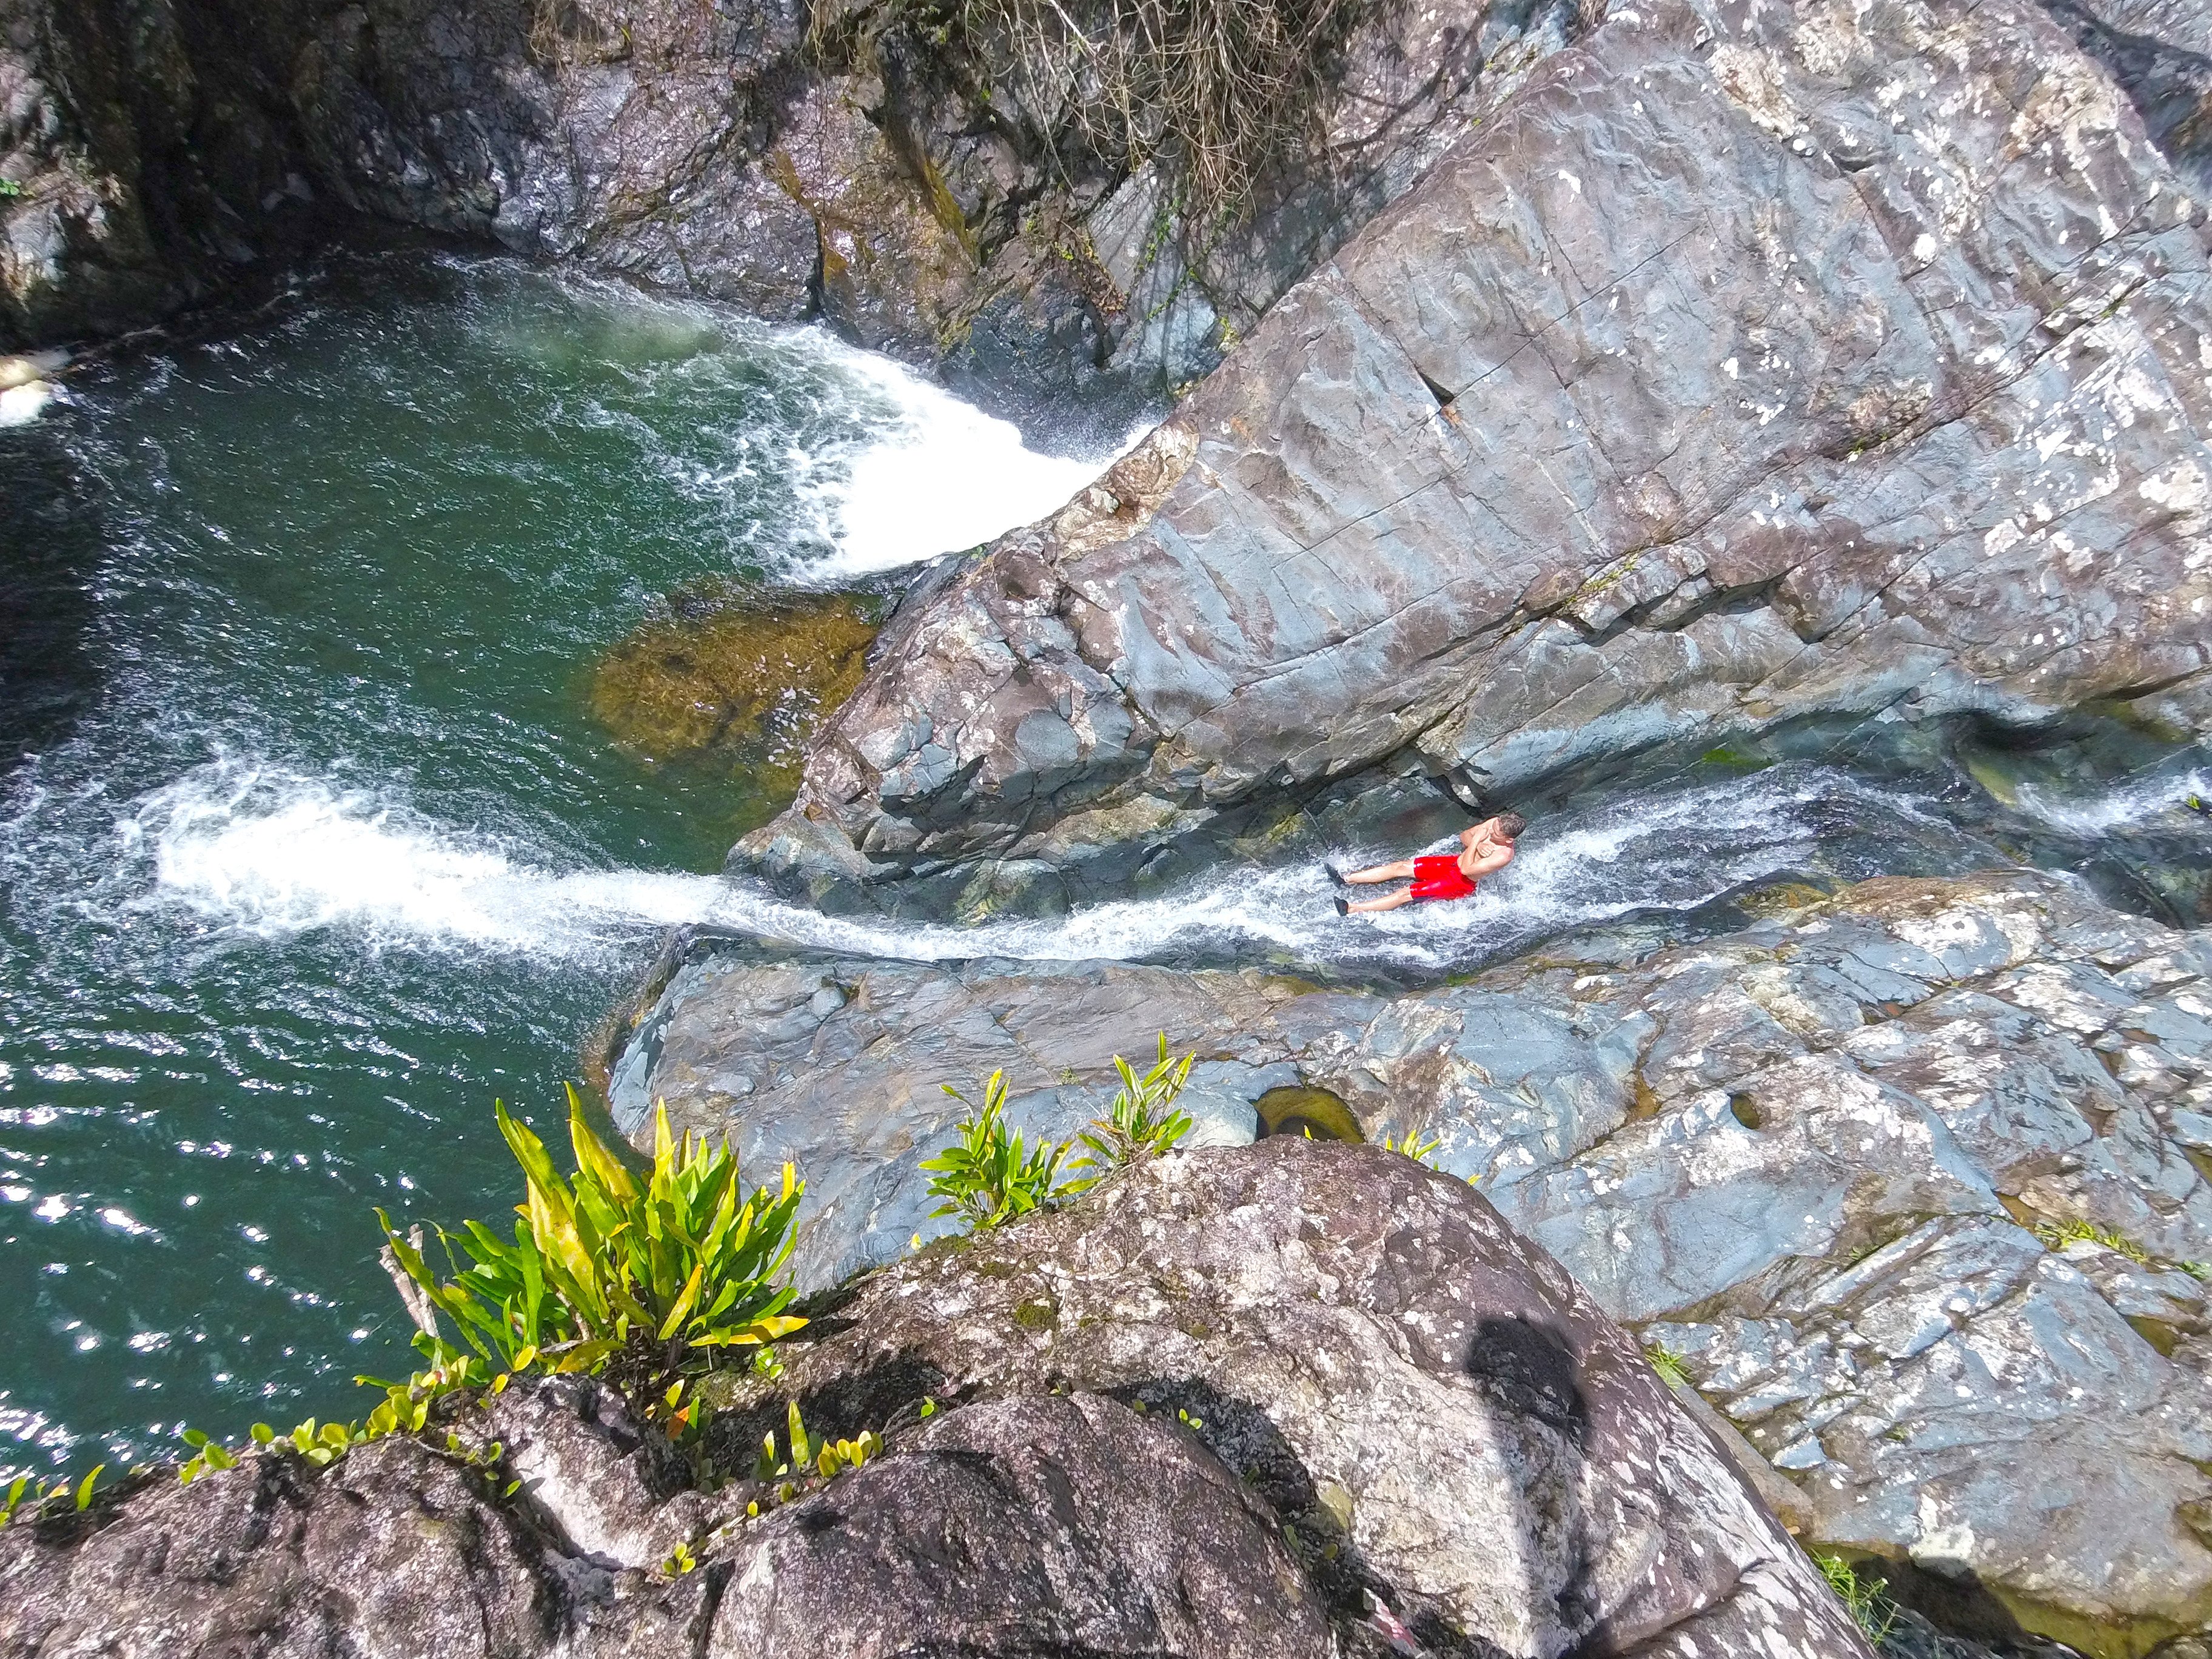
(1469, 839)
(1486, 859)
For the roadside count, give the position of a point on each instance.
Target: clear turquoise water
(323, 851)
(317, 850)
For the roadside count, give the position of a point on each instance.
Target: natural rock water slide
(1755, 364)
(1757, 384)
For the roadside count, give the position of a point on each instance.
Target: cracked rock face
(1281, 1401)
(1809, 1158)
(874, 179)
(1757, 360)
(1030, 1525)
(1436, 1410)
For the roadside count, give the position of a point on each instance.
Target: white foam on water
(264, 853)
(943, 478)
(884, 467)
(20, 405)
(2118, 808)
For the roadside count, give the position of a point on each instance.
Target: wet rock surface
(1283, 1399)
(1808, 1158)
(1719, 380)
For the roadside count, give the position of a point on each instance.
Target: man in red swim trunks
(1487, 848)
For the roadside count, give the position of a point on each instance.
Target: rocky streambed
(1685, 379)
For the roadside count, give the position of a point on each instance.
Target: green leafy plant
(2057, 1235)
(208, 1455)
(1421, 1149)
(806, 1457)
(1868, 1602)
(644, 1276)
(1140, 1122)
(59, 1497)
(987, 1177)
(9, 189)
(1673, 1370)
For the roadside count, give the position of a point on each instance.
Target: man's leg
(1388, 901)
(1401, 871)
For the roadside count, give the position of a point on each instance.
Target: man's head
(1509, 826)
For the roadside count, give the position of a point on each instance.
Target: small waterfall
(273, 854)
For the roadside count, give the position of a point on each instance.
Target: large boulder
(1910, 1180)
(397, 1552)
(1290, 1400)
(1447, 1426)
(1756, 362)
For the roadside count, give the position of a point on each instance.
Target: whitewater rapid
(264, 854)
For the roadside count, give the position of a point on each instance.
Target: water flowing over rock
(1809, 1158)
(1288, 1400)
(1756, 362)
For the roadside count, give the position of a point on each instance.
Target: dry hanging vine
(1218, 88)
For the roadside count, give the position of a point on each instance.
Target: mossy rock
(718, 677)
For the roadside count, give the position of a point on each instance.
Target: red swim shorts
(1437, 876)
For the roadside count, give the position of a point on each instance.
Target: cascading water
(319, 850)
(318, 847)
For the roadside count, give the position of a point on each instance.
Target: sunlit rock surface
(1268, 1403)
(1809, 1158)
(1444, 1417)
(1756, 362)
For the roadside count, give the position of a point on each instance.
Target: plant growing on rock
(1221, 87)
(1868, 1602)
(1141, 1122)
(645, 1277)
(2057, 1235)
(987, 1176)
(59, 1497)
(1422, 1149)
(1673, 1370)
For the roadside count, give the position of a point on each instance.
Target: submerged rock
(733, 679)
(1810, 1159)
(1286, 1399)
(1754, 363)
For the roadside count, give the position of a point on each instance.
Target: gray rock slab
(1808, 1155)
(1754, 362)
